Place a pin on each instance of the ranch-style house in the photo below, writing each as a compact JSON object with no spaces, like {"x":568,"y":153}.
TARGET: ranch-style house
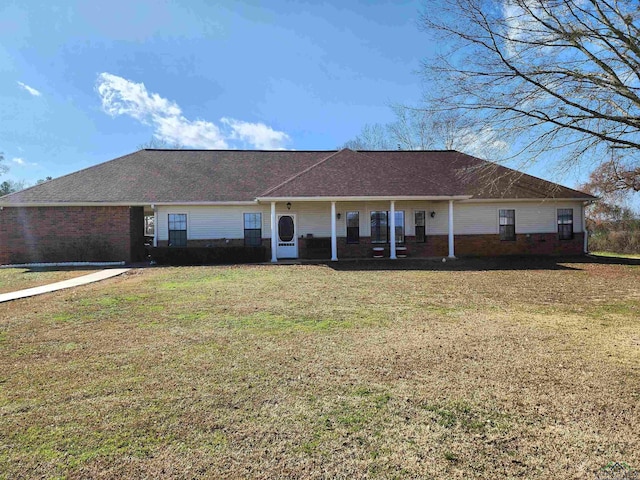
{"x":296,"y":204}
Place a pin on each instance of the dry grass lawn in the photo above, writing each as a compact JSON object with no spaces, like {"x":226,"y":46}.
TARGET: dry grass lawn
{"x":307,"y":371}
{"x":12,"y":279}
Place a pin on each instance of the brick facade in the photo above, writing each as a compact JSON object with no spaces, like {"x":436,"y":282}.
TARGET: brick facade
{"x":465,"y":245}
{"x":319,"y":248}
{"x":67,"y":234}
{"x":525,"y":244}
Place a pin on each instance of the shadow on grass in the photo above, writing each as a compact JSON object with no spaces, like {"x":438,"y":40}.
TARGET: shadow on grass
{"x":28,"y":270}
{"x":480,"y":264}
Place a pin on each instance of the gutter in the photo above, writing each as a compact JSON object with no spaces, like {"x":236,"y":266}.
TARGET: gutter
{"x":364,"y":198}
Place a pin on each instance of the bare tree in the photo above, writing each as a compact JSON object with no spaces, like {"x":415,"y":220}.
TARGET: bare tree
{"x":372,"y":137}
{"x":414,"y":128}
{"x":553,"y":77}
{"x":155,"y":143}
{"x":3,"y":168}
{"x":424,"y":127}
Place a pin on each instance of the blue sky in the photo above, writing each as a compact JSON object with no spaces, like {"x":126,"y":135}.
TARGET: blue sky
{"x":84,"y":82}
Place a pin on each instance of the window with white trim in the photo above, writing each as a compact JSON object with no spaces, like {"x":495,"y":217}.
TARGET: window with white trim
{"x":420,"y":223}
{"x":253,"y":229}
{"x":353,"y":227}
{"x":507,"y":225}
{"x":400,"y":226}
{"x":379,"y":227}
{"x":565,"y":223}
{"x":177,"y":229}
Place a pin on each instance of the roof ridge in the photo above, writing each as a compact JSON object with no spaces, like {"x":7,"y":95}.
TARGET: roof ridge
{"x":230,"y":150}
{"x":290,"y":179}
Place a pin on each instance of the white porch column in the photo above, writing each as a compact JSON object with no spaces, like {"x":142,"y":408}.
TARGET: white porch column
{"x":274,"y":234}
{"x":334,"y":235}
{"x":392,"y":228}
{"x":451,"y":250}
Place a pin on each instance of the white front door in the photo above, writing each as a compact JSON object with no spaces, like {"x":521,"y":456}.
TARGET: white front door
{"x":287,"y":236}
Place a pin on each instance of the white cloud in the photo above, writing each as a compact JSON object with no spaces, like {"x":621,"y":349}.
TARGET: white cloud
{"x":123,"y":97}
{"x":22,"y":162}
{"x":483,"y":143}
{"x":257,"y":134}
{"x":29,"y":89}
{"x":523,"y":24}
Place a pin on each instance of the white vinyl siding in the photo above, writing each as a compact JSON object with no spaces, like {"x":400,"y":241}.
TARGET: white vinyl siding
{"x":216,"y":222}
{"x":531,"y":217}
{"x":212,"y":222}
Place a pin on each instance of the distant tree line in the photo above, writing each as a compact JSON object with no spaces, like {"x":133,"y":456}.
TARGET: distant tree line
{"x":613,"y":226}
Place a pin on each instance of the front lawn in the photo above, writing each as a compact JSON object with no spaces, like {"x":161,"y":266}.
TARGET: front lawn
{"x":471,"y":370}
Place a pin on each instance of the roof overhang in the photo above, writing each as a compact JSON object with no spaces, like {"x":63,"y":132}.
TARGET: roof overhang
{"x":363,"y":198}
{"x":121,"y":204}
{"x":516,"y":200}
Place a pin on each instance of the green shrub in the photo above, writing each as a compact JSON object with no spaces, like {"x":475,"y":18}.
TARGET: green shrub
{"x":207,"y":255}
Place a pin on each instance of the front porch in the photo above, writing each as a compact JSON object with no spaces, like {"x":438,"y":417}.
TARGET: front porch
{"x":303,"y":229}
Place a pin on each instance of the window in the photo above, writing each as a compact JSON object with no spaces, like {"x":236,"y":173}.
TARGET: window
{"x":252,"y":229}
{"x":353,"y":227}
{"x":565,"y":223}
{"x":420,"y":226}
{"x":379,"y":227}
{"x":177,"y":229}
{"x":399,"y":226}
{"x":149,"y":227}
{"x":507,"y":225}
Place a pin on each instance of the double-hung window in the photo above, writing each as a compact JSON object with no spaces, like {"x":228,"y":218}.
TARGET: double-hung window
{"x":565,"y":223}
{"x":353,"y":227}
{"x":420,"y":221}
{"x":252,"y":229}
{"x":399,"y":226}
{"x":507,"y":225}
{"x":177,"y":229}
{"x":379,"y":227}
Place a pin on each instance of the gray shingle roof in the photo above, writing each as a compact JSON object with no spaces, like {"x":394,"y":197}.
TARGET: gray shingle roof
{"x":191,"y":176}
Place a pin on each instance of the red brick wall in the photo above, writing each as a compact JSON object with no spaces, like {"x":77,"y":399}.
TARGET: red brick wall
{"x":65,"y":234}
{"x":136,"y":233}
{"x":525,"y":244}
{"x":466,"y":245}
{"x":434,"y":246}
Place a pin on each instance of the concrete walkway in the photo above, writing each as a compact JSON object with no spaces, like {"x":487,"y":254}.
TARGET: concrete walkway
{"x":73,"y":282}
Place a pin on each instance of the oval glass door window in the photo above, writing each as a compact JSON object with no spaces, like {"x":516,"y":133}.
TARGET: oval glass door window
{"x":285,"y":228}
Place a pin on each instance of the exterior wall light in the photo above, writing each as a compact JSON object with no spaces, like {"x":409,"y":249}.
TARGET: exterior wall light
{"x":288,"y":205}
{"x":432,"y":214}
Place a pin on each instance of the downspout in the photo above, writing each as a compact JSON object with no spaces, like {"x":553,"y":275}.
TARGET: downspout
{"x":584,"y":229}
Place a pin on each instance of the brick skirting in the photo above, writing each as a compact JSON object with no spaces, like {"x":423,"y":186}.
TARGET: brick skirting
{"x":319,"y":248}
{"x":468,"y":245}
{"x":524,"y":244}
